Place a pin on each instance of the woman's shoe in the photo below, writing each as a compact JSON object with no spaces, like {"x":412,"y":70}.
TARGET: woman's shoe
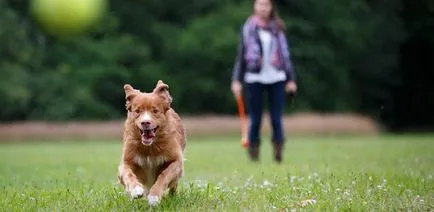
{"x":277,"y":150}
{"x":253,"y":152}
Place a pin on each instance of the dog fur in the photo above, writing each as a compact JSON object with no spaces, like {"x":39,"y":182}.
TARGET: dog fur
{"x":152,"y":159}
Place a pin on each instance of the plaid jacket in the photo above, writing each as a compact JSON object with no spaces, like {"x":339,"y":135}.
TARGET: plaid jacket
{"x":242,"y":66}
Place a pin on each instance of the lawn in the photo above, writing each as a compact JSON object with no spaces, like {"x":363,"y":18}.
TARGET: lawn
{"x":384,"y":173}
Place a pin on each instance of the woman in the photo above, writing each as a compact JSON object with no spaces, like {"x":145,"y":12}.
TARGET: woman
{"x":263,"y":64}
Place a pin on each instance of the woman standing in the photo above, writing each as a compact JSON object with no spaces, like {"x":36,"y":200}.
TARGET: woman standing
{"x":263,"y":64}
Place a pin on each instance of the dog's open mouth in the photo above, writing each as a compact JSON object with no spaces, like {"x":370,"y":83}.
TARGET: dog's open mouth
{"x":148,"y":135}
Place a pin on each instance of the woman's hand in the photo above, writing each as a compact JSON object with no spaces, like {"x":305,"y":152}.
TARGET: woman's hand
{"x":236,"y":88}
{"x":291,"y":87}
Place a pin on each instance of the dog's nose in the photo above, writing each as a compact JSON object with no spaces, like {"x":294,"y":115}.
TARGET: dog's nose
{"x":146,"y":123}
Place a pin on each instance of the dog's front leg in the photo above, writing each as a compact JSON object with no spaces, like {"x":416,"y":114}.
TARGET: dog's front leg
{"x":168,"y":175}
{"x":129,"y":180}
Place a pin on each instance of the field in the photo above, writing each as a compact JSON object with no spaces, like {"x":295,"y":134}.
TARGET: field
{"x":326,"y":173}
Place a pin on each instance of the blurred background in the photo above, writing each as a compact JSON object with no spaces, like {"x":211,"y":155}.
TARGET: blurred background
{"x":374,"y":59}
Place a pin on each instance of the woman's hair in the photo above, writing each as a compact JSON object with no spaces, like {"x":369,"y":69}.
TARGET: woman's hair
{"x":279,"y":20}
{"x":275,"y":16}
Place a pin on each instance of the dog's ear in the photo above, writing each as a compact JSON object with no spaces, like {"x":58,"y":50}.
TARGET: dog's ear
{"x":162,"y":90}
{"x":130,"y":93}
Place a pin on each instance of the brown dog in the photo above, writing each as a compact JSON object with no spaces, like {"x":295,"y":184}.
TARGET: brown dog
{"x":153,"y":144}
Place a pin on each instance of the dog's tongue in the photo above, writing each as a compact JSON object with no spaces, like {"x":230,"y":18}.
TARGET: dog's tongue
{"x":148,"y":134}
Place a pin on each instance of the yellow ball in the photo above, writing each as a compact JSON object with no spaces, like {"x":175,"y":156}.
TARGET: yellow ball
{"x":66,"y":18}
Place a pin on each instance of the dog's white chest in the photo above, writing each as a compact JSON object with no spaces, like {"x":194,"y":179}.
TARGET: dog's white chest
{"x":150,"y":165}
{"x":149,"y":161}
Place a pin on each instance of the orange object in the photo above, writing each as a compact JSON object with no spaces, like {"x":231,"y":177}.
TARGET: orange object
{"x":243,"y":120}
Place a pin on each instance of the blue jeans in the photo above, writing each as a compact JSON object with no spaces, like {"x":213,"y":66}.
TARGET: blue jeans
{"x":276,"y":99}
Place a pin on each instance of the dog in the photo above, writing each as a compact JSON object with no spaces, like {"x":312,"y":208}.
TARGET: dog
{"x":152,"y":160}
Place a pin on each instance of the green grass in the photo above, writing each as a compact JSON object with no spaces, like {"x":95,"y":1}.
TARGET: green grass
{"x":384,"y":173}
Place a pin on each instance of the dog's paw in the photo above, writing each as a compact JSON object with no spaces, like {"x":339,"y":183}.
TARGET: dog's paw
{"x":153,"y":200}
{"x":137,"y":192}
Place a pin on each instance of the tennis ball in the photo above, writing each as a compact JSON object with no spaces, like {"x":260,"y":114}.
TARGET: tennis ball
{"x":66,"y":18}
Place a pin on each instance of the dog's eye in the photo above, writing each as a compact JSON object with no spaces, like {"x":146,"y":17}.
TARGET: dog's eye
{"x":137,"y":112}
{"x":155,"y":111}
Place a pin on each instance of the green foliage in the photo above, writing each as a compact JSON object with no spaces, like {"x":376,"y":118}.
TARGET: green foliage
{"x":344,"y":52}
{"x":18,"y":55}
